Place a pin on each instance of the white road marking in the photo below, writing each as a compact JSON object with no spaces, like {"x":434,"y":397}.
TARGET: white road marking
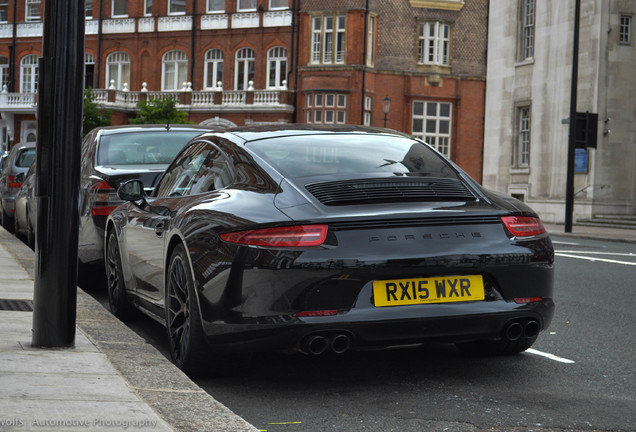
{"x":598,"y":253}
{"x":595,"y":259}
{"x":565,"y":243}
{"x":550,"y":356}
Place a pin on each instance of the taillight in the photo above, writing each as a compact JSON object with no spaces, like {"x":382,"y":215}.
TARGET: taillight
{"x":11,"y":183}
{"x":523,"y":226}
{"x":104,"y":198}
{"x":524,"y":300}
{"x":291,"y":236}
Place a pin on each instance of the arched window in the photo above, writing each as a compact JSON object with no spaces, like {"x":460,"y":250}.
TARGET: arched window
{"x":244,"y":68}
{"x":4,"y":71}
{"x":174,"y":70}
{"x":213,"y":68}
{"x":89,"y":70}
{"x":118,"y":69}
{"x":29,"y":74}
{"x":276,"y":67}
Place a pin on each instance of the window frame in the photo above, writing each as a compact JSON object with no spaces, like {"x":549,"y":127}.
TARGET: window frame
{"x":328,"y":39}
{"x":30,"y":6}
{"x":523,"y":136}
{"x":123,"y":65}
{"x":121,"y":3}
{"x":326,"y":108}
{"x":437,"y":139}
{"x":244,"y":68}
{"x":147,"y":8}
{"x":439,"y":42}
{"x":216,"y":63}
{"x":527,"y":21}
{"x":279,"y":63}
{"x":29,"y":74}
{"x":209,"y":4}
{"x":244,"y":9}
{"x":625,"y":25}
{"x":4,"y":11}
{"x":172,"y":3}
{"x":270,"y":7}
{"x":4,"y":71}
{"x":180,"y":65}
{"x":371,"y":41}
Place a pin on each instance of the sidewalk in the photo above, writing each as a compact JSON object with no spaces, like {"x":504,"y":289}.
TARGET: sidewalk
{"x":599,"y":233}
{"x":111,"y":380}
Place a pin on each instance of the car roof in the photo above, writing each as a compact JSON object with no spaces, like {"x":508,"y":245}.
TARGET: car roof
{"x":252,"y":133}
{"x":110,"y":130}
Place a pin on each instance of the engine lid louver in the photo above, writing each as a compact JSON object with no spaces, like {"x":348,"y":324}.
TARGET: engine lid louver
{"x":361,"y":191}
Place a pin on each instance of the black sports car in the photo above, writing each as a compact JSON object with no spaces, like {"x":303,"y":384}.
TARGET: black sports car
{"x":326,"y":239}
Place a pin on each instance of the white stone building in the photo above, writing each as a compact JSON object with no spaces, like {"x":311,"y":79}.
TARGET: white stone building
{"x":528,"y":102}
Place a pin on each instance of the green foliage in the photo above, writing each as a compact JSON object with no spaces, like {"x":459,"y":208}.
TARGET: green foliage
{"x":93,"y":116}
{"x":159,"y":111}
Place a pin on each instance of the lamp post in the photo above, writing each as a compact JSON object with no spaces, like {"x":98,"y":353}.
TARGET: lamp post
{"x":386,"y":107}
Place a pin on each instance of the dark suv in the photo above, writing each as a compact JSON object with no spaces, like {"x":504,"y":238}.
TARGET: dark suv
{"x":14,"y":167}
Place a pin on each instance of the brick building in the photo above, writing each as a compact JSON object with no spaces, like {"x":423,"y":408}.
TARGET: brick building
{"x":236,"y":62}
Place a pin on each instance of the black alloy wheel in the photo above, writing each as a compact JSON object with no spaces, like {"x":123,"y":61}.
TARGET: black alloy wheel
{"x":116,"y":286}
{"x":188,"y":347}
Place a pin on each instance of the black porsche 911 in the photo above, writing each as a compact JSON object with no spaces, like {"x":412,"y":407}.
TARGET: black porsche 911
{"x":326,"y":239}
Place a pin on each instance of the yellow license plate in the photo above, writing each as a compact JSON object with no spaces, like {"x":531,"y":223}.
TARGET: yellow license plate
{"x":444,"y":289}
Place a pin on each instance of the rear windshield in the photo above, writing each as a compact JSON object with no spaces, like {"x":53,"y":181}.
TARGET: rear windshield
{"x":302,"y":156}
{"x":25,"y":158}
{"x":141,"y":148}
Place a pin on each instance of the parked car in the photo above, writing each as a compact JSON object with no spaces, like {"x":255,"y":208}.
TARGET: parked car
{"x":3,"y":156}
{"x":325,"y":240}
{"x":17,"y":162}
{"x":111,"y":155}
{"x":26,"y":208}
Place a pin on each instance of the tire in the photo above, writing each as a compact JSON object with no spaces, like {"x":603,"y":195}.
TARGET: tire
{"x":496,"y":347}
{"x":30,"y":235}
{"x":7,"y":222}
{"x":188,"y":348}
{"x":116,"y":286}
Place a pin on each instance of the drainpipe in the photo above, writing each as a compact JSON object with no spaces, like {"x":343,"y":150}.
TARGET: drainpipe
{"x":12,"y":65}
{"x":194,"y":27}
{"x":98,"y":60}
{"x":292,"y":57}
{"x":364,"y":60}
{"x":297,"y":21}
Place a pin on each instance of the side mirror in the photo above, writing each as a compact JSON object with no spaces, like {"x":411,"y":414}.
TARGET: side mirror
{"x":132,"y":190}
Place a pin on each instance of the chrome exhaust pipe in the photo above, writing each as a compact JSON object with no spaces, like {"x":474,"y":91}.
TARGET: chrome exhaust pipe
{"x":315,"y":344}
{"x":531,"y":329}
{"x":513,"y":331}
{"x":340,"y":343}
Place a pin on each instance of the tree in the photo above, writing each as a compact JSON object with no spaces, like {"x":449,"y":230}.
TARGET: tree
{"x":159,"y":111}
{"x":93,"y":116}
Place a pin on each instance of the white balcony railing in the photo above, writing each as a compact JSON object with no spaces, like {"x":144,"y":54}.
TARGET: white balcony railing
{"x":214,"y":22}
{"x":30,"y":29}
{"x":245,"y":20}
{"x":91,"y":27}
{"x":146,"y":25}
{"x":203,"y":98}
{"x":277,"y":19}
{"x":266,"y":97}
{"x":125,"y":25}
{"x":233,"y":97}
{"x":175,"y":23}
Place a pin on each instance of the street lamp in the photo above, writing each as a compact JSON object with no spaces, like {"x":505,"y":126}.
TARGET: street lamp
{"x":386,"y":106}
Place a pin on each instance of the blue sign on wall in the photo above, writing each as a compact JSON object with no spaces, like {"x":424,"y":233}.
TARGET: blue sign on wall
{"x":580,"y":161}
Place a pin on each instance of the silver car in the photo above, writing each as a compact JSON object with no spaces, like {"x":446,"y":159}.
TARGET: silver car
{"x":18,"y":162}
{"x":26,"y":208}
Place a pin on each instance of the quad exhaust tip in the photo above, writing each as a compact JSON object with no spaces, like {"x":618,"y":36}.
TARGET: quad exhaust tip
{"x":317,"y":344}
{"x":515,"y":330}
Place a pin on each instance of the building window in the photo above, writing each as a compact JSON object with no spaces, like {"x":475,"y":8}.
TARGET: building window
{"x":625,"y":30}
{"x":522,"y":154}
{"x":246,"y":5}
{"x":88,"y":9}
{"x":29,"y":74}
{"x":89,"y":70}
{"x":174,"y":70}
{"x":216,"y":6}
{"x":117,"y":70}
{"x":276,"y":67}
{"x":4,"y":11}
{"x":4,"y":72}
{"x":147,"y":7}
{"x":368,"y":110}
{"x":328,"y":39}
{"x":278,"y":4}
{"x":119,"y":8}
{"x":371,"y":41}
{"x":176,"y":7}
{"x":244,"y":68}
{"x":213,"y":68}
{"x":326,"y":108}
{"x":32,"y":10}
{"x":432,"y":123}
{"x":434,"y":43}
{"x":526,"y":47}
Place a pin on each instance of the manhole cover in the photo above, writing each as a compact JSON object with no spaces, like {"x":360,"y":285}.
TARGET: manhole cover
{"x":16,"y":305}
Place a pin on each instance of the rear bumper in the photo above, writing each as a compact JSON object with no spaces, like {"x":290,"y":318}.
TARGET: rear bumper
{"x":91,"y":242}
{"x":382,"y":326}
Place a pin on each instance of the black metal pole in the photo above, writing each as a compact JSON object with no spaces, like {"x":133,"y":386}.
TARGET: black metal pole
{"x":61,"y":70}
{"x":569,"y":183}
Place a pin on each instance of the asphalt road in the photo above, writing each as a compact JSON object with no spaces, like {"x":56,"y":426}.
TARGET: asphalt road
{"x":579,"y":376}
